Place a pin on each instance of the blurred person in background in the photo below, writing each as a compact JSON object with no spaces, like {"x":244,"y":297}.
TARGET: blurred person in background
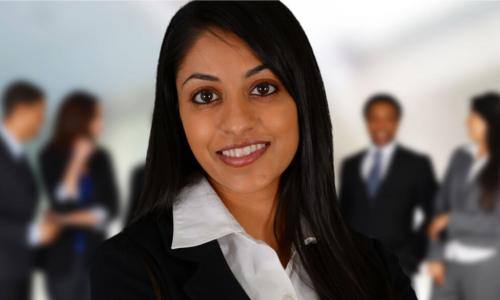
{"x":383,"y":186}
{"x":80,"y":181}
{"x":464,"y":255}
{"x":23,"y":116}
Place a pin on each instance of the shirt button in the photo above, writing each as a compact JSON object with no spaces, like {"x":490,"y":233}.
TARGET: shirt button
{"x":287,"y":297}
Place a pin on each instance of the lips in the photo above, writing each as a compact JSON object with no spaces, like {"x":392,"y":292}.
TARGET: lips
{"x":242,"y":154}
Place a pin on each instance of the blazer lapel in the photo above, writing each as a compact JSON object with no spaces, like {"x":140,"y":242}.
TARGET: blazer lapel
{"x":467,"y":185}
{"x":359,"y":178}
{"x":211,"y":278}
{"x":391,"y":170}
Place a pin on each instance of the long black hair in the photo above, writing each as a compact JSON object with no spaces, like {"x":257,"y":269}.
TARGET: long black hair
{"x":487,"y":105}
{"x":73,"y":119}
{"x":337,"y":267}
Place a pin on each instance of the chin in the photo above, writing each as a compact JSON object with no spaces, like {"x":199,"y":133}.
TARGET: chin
{"x":246,"y":182}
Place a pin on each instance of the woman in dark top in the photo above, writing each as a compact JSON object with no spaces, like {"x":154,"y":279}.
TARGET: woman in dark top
{"x":239,"y":199}
{"x":79,"y":179}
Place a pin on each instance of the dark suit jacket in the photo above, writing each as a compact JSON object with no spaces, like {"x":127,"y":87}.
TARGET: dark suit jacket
{"x":409,"y":183}
{"x":18,"y":200}
{"x":138,"y":263}
{"x":53,"y":162}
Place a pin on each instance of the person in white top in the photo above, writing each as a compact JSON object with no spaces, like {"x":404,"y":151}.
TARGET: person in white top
{"x":465,"y":232}
{"x":240,"y":102}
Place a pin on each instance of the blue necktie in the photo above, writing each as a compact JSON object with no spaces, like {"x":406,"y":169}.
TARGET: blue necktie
{"x":373,"y":181}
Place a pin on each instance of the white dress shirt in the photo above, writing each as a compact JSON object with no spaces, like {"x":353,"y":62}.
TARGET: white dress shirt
{"x":199,"y":216}
{"x":387,"y":152}
{"x":456,"y":250}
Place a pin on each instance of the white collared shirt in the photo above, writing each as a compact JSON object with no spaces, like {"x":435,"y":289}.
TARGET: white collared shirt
{"x":13,"y":144}
{"x":200,"y":216}
{"x":387,"y":152}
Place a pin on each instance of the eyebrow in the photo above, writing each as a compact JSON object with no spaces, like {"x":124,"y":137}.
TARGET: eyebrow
{"x":203,"y":76}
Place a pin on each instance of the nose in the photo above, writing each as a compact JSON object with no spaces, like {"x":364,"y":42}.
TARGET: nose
{"x":238,"y":116}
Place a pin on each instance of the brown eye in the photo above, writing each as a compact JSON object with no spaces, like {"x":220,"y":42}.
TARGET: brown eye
{"x":205,"y":97}
{"x":263,"y":89}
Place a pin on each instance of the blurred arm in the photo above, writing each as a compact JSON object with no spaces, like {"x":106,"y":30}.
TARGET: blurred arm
{"x":425,"y":193}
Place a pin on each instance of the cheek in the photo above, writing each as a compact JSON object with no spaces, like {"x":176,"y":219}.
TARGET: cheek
{"x":282,"y":123}
{"x":477,"y":129}
{"x":199,"y":130}
{"x":481,"y":130}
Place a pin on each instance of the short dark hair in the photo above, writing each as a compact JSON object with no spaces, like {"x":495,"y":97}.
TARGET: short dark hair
{"x":383,"y":98}
{"x":20,"y":92}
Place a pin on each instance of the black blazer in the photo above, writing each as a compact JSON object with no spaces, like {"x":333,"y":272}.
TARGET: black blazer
{"x":138,"y":263}
{"x":18,"y":200}
{"x":59,"y":255}
{"x":408,"y":184}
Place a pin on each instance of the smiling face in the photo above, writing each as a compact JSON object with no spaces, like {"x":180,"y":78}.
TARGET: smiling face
{"x":240,"y":122}
{"x":382,"y":121}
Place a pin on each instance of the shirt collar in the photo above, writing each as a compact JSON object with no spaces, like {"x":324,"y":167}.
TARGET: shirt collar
{"x":473,"y":150}
{"x":386,"y":149}
{"x":13,"y":144}
{"x":200,"y":216}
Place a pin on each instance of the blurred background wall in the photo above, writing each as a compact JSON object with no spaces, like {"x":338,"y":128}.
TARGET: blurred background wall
{"x":432,"y":55}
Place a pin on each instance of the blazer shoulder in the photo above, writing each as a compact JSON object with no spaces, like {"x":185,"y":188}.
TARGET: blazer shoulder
{"x":119,"y":270}
{"x":412,"y":154}
{"x":126,"y":265}
{"x":102,"y":153}
{"x":399,"y":282}
{"x":415,"y":158}
{"x":461,"y":153}
{"x":49,"y":152}
{"x":353,"y":158}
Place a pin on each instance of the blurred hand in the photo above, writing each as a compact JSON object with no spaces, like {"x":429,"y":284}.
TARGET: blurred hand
{"x":83,"y":149}
{"x":437,"y":271}
{"x":78,"y":218}
{"x":437,"y":225}
{"x":49,"y":228}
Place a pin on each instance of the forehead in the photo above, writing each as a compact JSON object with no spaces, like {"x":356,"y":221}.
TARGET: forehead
{"x":383,"y":106}
{"x":218,"y":52}
{"x":39,"y":102}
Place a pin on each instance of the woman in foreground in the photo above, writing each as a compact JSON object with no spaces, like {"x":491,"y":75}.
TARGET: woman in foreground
{"x":239,"y":199}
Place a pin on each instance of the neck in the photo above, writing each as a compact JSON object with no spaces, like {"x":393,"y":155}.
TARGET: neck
{"x":382,"y":145}
{"x":483,"y":149}
{"x":254,"y":211}
{"x":14,"y":129}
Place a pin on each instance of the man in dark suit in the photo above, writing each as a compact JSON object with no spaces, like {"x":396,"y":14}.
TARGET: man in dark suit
{"x":23,"y":110}
{"x":383,"y":186}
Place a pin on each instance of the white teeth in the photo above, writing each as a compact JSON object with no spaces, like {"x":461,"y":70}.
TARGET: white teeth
{"x":239,"y":152}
